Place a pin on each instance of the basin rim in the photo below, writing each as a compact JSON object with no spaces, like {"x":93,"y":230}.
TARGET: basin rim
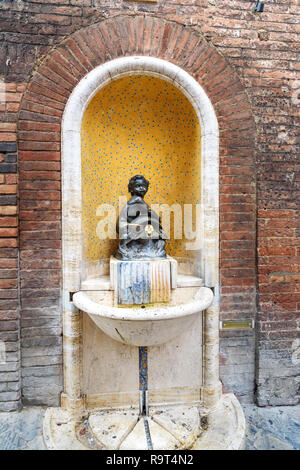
{"x":201,"y":301}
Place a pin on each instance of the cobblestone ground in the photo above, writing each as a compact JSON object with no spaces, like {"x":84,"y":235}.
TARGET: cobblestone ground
{"x":22,"y":430}
{"x":275,"y":428}
{"x":267,"y":428}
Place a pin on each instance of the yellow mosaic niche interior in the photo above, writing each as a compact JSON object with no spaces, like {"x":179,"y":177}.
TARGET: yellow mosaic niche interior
{"x":138,"y":124}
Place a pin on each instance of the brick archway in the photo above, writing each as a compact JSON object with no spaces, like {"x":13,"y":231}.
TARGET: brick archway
{"x":39,"y":149}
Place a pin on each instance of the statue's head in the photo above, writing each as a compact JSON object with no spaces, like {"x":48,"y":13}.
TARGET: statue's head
{"x":138,"y":185}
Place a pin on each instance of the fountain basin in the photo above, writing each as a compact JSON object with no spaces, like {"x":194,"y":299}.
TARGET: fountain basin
{"x":146,"y":325}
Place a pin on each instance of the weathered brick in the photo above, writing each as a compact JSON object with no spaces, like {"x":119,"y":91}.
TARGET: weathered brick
{"x":8,"y":232}
{"x":12,"y":107}
{"x":8,"y":147}
{"x":9,"y":314}
{"x":8,"y":168}
{"x":8,"y":242}
{"x":8,"y":283}
{"x":8,"y":406}
{"x":39,"y":156}
{"x":7,"y":137}
{"x":8,"y":189}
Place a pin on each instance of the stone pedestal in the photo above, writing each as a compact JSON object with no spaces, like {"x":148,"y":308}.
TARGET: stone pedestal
{"x":139,"y":282}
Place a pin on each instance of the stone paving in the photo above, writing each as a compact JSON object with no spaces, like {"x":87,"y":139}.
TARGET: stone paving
{"x":267,"y":428}
{"x":276,"y":428}
{"x":22,"y":430}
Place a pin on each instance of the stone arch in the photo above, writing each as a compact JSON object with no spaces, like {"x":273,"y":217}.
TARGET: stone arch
{"x":52,"y":83}
{"x":71,"y":159}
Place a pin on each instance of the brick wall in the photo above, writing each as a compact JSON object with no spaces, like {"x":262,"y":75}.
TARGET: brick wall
{"x":10,"y":389}
{"x":40,"y":256}
{"x":259,"y":272}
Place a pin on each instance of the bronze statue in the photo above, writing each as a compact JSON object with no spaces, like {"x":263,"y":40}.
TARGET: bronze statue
{"x":139,"y":228}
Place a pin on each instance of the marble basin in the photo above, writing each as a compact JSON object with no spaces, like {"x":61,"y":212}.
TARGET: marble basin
{"x":145,"y":325}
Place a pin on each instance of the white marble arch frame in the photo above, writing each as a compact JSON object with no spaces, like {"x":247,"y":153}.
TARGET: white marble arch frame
{"x":71,"y":160}
{"x":82,"y":94}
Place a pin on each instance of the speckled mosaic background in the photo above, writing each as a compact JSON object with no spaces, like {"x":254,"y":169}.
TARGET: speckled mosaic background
{"x":143,"y":368}
{"x":138,"y":125}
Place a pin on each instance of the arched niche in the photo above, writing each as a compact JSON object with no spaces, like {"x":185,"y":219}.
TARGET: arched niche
{"x":78,"y":102}
{"x":87,"y":88}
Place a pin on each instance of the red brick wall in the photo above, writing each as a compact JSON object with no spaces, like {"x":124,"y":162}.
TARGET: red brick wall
{"x":259,"y":55}
{"x":10,"y":392}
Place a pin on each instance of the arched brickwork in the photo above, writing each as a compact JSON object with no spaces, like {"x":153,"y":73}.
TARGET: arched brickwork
{"x":39,"y":153}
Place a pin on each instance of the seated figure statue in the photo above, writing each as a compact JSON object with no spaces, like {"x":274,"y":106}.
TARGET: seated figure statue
{"x":139,"y":228}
